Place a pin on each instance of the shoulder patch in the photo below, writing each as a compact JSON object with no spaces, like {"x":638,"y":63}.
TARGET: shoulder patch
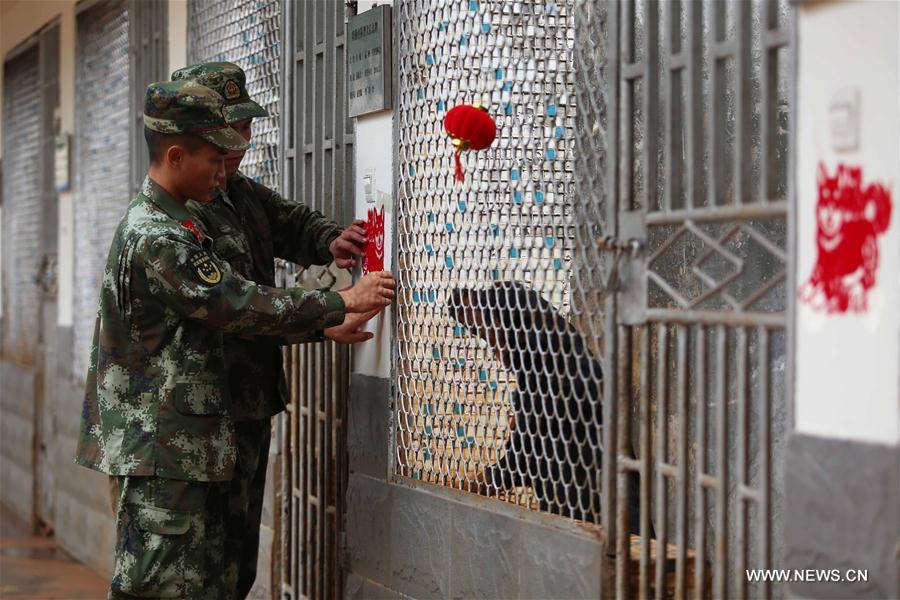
{"x":206,"y":268}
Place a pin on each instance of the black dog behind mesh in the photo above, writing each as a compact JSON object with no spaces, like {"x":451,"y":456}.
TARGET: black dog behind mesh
{"x":554,"y":445}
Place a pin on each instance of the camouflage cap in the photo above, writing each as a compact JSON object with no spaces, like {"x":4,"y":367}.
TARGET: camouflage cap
{"x":186,"y":107}
{"x":229,"y":80}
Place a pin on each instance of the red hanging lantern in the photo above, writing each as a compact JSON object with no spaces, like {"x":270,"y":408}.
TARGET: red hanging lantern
{"x":471,"y":128}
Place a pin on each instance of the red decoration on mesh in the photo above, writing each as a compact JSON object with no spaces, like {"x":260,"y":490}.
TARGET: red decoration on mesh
{"x":471,"y":128}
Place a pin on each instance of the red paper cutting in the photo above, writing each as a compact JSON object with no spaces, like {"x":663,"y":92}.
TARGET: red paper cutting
{"x":374,"y":258}
{"x":849,"y":219}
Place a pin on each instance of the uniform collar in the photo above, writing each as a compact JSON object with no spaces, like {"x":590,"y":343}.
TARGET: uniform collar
{"x":164,"y":200}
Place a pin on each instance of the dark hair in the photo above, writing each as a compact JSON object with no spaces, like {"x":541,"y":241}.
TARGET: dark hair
{"x":158,"y":143}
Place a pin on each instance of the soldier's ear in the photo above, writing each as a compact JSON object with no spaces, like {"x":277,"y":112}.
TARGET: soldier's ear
{"x":174,"y":156}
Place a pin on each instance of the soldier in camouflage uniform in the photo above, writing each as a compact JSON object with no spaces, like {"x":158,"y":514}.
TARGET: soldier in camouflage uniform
{"x":252,"y":225}
{"x":156,"y":411}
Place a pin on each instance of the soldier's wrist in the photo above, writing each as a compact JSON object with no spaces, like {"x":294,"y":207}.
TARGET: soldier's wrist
{"x":349,"y":299}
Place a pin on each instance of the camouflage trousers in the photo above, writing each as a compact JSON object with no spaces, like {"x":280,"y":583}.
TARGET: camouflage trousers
{"x":192,"y":539}
{"x":170,"y":538}
{"x":245,"y":502}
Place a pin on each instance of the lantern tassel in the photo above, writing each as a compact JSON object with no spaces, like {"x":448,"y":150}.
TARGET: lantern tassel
{"x":460,"y":176}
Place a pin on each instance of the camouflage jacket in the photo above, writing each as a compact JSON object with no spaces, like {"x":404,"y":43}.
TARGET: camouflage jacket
{"x":251,"y":225}
{"x":156,"y":400}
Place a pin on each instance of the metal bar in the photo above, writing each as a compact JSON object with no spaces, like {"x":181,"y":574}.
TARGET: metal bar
{"x":743,"y":104}
{"x":708,"y":481}
{"x":650,"y":101}
{"x":626,"y":143}
{"x":667,"y":469}
{"x":619,"y":438}
{"x":700,"y":491}
{"x":665,"y":203}
{"x":777,"y":38}
{"x":633,"y":71}
{"x":682,"y":479}
{"x":743,"y":433}
{"x":711,"y":317}
{"x":309,"y":458}
{"x":716,"y":27}
{"x":298,"y":522}
{"x":328,"y":125}
{"x":629,"y":464}
{"x":321,"y":451}
{"x":721,"y":581}
{"x":662,"y":488}
{"x":763,"y":289}
{"x":717,"y":213}
{"x":747,"y":492}
{"x":646,"y":466}
{"x":610,"y":313}
{"x":765,"y":449}
{"x":766,"y":133}
{"x":765,"y":242}
{"x":327,"y":467}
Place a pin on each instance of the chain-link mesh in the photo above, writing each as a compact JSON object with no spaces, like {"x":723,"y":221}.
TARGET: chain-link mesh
{"x":247,"y":33}
{"x":497,"y":391}
{"x":22,"y":206}
{"x":102,"y":134}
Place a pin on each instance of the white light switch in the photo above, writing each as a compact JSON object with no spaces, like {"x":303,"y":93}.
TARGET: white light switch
{"x":843,"y":119}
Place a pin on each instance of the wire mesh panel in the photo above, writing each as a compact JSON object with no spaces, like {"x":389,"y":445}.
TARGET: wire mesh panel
{"x":247,"y":33}
{"x":700,"y":107}
{"x":22,"y":206}
{"x":498,"y":389}
{"x":102,"y":146}
{"x":318,"y":151}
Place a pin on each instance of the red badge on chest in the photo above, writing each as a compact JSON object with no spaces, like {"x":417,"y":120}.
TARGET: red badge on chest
{"x":189,"y":225}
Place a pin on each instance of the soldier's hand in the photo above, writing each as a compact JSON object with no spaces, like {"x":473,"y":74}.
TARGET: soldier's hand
{"x":348,"y":332}
{"x":374,"y":291}
{"x":350,"y":244}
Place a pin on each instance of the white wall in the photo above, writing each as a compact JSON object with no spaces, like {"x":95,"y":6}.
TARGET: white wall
{"x":373,"y":159}
{"x":847,"y":364}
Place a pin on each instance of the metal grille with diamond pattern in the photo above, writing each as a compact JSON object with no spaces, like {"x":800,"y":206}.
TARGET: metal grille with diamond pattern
{"x":245,"y":32}
{"x":681,"y":153}
{"x":102,"y":131}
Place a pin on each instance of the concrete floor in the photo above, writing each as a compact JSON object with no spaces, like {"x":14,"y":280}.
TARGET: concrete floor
{"x":36,"y":567}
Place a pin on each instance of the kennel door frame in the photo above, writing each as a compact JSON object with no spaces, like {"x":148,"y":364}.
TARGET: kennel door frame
{"x":627,"y":312}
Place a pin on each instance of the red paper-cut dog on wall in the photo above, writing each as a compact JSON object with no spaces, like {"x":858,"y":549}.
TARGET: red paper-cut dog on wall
{"x":374,"y":259}
{"x":849,"y":220}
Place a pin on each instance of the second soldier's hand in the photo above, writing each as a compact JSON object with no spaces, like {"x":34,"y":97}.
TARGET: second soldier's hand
{"x":349,"y":331}
{"x":374,"y":291}
{"x":349,"y":244}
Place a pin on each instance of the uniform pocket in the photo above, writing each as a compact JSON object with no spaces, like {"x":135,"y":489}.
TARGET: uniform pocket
{"x":158,"y":553}
{"x":193,"y":397}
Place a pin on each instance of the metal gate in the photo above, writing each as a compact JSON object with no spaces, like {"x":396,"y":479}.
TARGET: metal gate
{"x":686,"y":110}
{"x":102,"y":147}
{"x":317,"y":138}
